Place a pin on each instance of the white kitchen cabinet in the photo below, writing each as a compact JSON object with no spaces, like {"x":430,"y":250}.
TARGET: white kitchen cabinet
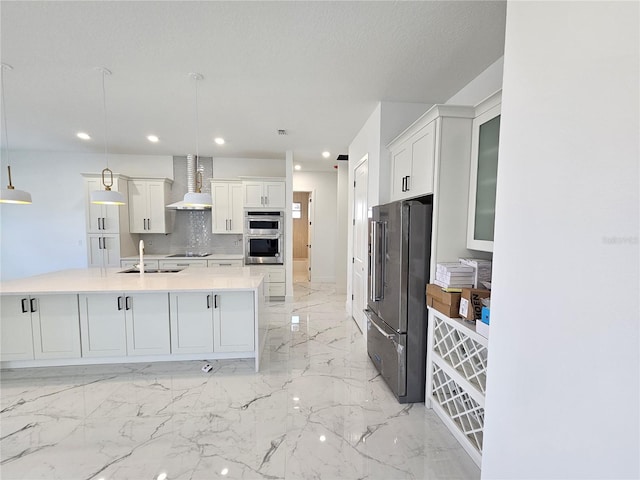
{"x":108,"y":236}
{"x":483,"y":174}
{"x":148,"y":264}
{"x":104,"y":250}
{"x":206,"y":322}
{"x":40,"y":327}
{"x":16,"y":334}
{"x":233,"y":322}
{"x":147,"y":322}
{"x":147,"y":206}
{"x":412,"y":163}
{"x":182,"y":263}
{"x":225,"y":263}
{"x":227,"y":207}
{"x":264,"y":194}
{"x":191,"y":322}
{"x":124,"y":324}
{"x":274,"y":279}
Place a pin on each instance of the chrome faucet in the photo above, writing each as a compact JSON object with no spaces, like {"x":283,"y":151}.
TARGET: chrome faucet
{"x":141,"y":249}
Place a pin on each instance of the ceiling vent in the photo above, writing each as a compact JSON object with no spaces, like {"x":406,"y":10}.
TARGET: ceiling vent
{"x":343,"y":157}
{"x":282,"y":132}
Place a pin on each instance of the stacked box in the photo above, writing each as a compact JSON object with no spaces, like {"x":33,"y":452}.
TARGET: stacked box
{"x":471,"y":303}
{"x":454,"y":275}
{"x":482,"y":270}
{"x":445,"y":302}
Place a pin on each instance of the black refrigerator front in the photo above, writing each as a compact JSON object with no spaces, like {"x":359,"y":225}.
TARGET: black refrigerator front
{"x":399,"y":256}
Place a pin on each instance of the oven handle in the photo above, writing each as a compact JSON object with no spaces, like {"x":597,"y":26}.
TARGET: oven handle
{"x":266,"y":237}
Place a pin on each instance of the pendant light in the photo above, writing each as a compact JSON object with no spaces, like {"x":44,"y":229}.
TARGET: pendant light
{"x":197,"y":198}
{"x":106,"y":196}
{"x":10,"y":194}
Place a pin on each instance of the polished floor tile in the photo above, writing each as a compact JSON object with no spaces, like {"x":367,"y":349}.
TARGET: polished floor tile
{"x":316,"y":410}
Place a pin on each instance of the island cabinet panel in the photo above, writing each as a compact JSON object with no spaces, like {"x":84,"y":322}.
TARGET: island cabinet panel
{"x":39,"y":327}
{"x":56,"y":326}
{"x":102,"y":325}
{"x":147,"y":322}
{"x":191,"y":322}
{"x":233,"y":322}
{"x":15,"y":328}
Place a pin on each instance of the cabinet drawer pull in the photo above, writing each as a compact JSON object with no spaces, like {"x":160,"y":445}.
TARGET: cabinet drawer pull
{"x":127,"y":303}
{"x":119,"y":303}
{"x":34,"y":304}
{"x":25,"y":309}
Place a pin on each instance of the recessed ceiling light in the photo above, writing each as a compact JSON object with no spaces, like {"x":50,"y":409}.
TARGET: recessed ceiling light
{"x":152,"y":138}
{"x":83,"y":136}
{"x":326,"y":154}
{"x":298,"y":167}
{"x":219,"y":140}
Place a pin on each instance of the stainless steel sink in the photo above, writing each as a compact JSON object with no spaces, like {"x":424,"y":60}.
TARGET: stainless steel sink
{"x":153,"y":270}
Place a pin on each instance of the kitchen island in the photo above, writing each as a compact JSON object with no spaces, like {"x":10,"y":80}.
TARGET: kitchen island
{"x":85,"y":316}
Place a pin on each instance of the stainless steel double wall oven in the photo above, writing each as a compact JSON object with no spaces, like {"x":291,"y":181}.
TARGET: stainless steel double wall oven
{"x":264,"y":237}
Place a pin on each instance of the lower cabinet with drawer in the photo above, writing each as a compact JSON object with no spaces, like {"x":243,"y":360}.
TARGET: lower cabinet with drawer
{"x":225,"y":263}
{"x":181,"y":263}
{"x":274,"y":279}
{"x":148,"y":264}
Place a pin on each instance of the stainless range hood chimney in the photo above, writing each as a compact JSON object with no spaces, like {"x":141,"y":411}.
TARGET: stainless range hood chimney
{"x":191,"y":187}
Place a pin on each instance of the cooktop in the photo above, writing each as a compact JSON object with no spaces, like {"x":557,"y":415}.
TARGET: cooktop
{"x":189,"y":254}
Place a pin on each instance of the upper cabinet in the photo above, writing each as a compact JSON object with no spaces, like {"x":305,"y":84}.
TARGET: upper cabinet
{"x":227,"y":206}
{"x":483,"y":174}
{"x":103,"y":218}
{"x":147,"y":200}
{"x":264,"y":194}
{"x":412,"y":163}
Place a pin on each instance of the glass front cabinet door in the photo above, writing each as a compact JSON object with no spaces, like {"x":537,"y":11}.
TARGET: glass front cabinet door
{"x":483,"y":175}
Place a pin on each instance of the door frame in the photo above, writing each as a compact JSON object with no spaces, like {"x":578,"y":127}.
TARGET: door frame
{"x":310,"y":229}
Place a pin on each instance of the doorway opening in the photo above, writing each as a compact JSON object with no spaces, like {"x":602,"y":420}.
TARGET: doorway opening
{"x":302,"y":225}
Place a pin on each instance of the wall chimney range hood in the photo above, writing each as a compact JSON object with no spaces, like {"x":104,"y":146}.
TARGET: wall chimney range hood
{"x":192,"y":188}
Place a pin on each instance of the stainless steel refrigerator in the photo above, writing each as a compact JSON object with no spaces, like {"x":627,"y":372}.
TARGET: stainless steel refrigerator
{"x":399,"y":257}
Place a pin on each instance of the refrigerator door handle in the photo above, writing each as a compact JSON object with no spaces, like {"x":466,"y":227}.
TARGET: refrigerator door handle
{"x":377,"y":263}
{"x":383,"y":333}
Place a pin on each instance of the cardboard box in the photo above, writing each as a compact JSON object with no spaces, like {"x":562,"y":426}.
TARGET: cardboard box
{"x":444,"y":302}
{"x":471,"y":303}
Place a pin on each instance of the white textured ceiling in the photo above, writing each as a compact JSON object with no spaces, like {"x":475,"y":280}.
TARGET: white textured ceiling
{"x":316,"y":69}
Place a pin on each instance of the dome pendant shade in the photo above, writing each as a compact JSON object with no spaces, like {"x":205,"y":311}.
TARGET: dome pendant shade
{"x":11,"y":195}
{"x":107,"y":196}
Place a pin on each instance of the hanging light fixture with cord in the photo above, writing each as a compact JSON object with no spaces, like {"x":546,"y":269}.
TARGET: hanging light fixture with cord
{"x":106,"y":196}
{"x":10,"y":194}
{"x":197,"y":198}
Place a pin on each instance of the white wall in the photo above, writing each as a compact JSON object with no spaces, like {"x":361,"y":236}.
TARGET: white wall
{"x":255,"y":167}
{"x":50,"y":234}
{"x":324,"y":229}
{"x":563,"y":381}
{"x":342,"y":220}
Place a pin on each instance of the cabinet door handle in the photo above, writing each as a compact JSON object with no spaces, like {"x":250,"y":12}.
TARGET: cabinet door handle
{"x":127,"y":303}
{"x":34,"y":304}
{"x":25,"y":309}
{"x":408,"y":182}
{"x":208,"y":301}
{"x":215,"y":301}
{"x":404,"y":182}
{"x":100,"y":243}
{"x":230,"y":227}
{"x":148,"y":224}
{"x":119,"y":303}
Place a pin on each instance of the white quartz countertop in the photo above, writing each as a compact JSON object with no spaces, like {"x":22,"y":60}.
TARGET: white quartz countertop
{"x":168,"y":256}
{"x":95,"y":280}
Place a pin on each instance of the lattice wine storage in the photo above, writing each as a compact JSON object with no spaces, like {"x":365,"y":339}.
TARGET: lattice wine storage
{"x":461,"y":408}
{"x":462,"y":352}
{"x":457,"y":366}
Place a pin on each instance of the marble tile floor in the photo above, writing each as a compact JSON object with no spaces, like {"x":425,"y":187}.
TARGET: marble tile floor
{"x":316,"y":410}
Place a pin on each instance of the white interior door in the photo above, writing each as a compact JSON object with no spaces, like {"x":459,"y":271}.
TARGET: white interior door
{"x":360,"y":231}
